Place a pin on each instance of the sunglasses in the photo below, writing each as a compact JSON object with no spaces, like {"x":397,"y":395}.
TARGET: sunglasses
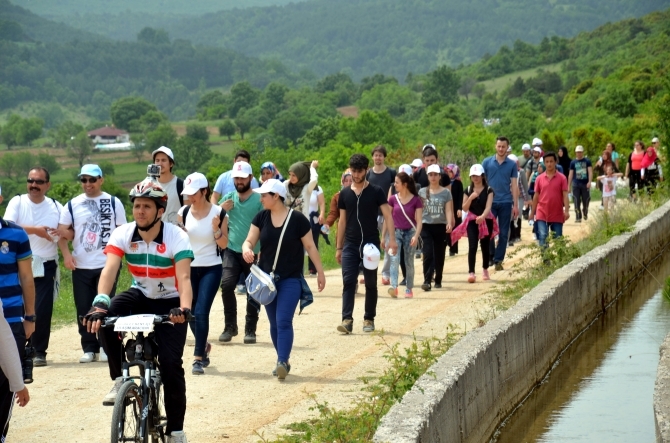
{"x":38,"y":182}
{"x":88,"y":180}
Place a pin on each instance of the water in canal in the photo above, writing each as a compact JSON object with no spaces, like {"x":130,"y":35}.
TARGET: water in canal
{"x":602,"y":387}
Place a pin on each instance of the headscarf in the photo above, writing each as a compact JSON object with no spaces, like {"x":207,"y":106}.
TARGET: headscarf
{"x":346,"y":173}
{"x":565,"y":160}
{"x":275,"y":172}
{"x":301,"y":170}
{"x":649,"y":157}
{"x":456,"y":170}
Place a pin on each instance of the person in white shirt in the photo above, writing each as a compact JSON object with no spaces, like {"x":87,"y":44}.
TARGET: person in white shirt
{"x":317,"y":216}
{"x":226,"y":182}
{"x":172,"y":184}
{"x":88,"y":220}
{"x":39,"y":215}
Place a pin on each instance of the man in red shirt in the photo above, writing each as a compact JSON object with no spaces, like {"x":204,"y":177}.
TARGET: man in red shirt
{"x":550,"y":202}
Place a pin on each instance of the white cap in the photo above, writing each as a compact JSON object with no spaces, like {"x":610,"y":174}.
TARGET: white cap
{"x":193,"y":183}
{"x":165,"y":150}
{"x":271,"y":185}
{"x":417,"y":163}
{"x":407,"y":169}
{"x":513,"y":157}
{"x":476,"y":169}
{"x":241,"y":170}
{"x":433,"y":168}
{"x":579,"y":148}
{"x":537,"y":149}
{"x":370,"y":256}
{"x":654,"y":140}
{"x":537,"y":142}
{"x":525,"y":147}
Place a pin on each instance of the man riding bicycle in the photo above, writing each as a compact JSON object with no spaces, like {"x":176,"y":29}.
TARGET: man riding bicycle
{"x":159,"y":257}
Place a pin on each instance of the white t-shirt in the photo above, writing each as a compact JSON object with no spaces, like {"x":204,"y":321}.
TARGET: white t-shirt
{"x":314,"y":200}
{"x":173,"y":204}
{"x":94,"y":222}
{"x":609,"y":186}
{"x":22,"y":211}
{"x":202,"y":237}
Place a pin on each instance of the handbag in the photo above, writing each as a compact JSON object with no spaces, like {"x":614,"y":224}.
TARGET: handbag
{"x":419,"y":240}
{"x":261,"y":285}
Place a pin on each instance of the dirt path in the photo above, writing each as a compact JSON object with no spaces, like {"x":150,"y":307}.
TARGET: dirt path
{"x":238,"y":396}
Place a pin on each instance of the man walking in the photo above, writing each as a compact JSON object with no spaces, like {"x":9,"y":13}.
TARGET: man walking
{"x":241,"y":206}
{"x":38,"y":215}
{"x":525,"y":149}
{"x":531,"y":163}
{"x":430,"y":157}
{"x":88,"y":220}
{"x":359,"y":205}
{"x":501,"y":174}
{"x":170,"y":183}
{"x":581,"y":174}
{"x":226,"y":182}
{"x":551,"y":207}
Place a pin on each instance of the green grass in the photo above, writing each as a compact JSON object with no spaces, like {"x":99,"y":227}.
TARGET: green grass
{"x":500,"y":83}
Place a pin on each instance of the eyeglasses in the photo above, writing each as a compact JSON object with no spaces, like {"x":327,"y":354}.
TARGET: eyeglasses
{"x":88,"y":180}
{"x":38,"y":182}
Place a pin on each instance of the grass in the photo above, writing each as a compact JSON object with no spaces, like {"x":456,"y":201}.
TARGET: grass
{"x":500,"y":83}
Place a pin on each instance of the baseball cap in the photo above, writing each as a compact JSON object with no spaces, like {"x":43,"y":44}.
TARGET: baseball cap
{"x":579,"y":148}
{"x":537,"y":142}
{"x":537,"y":149}
{"x":193,"y":183}
{"x":417,"y":163}
{"x":407,"y":169}
{"x":476,"y":169}
{"x":513,"y":157}
{"x":92,"y":170}
{"x":241,"y":170}
{"x":165,"y":150}
{"x":271,"y":185}
{"x":428,"y":145}
{"x":525,"y":147}
{"x":654,"y":140}
{"x":370,"y":256}
{"x":433,"y":168}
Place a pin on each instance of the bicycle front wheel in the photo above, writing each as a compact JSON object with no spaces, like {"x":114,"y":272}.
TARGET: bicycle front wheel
{"x":158,"y":416}
{"x":126,"y":414}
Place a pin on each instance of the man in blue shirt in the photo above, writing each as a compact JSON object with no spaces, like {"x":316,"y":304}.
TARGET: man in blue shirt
{"x":501,"y":174}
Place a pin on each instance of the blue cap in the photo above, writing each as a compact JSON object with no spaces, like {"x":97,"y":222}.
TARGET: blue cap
{"x":92,"y":170}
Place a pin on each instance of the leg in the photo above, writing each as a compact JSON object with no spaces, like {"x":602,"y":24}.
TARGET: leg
{"x":196,"y":275}
{"x":85,"y":288}
{"x":428,"y":253}
{"x":542,"y":232}
{"x":577,"y":198}
{"x":350,"y":262}
{"x":231,"y":275}
{"x":386,"y":269}
{"x":586,"y":200}
{"x":453,"y":248}
{"x":409,"y":251}
{"x":504,"y":216}
{"x":251,"y":317}
{"x":288,"y":295}
{"x":557,"y":229}
{"x":6,"y":405}
{"x":486,"y":256}
{"x":44,"y":306}
{"x":401,"y":256}
{"x":207,"y":288}
{"x":439,"y":236}
{"x":473,"y":240}
{"x":395,"y":259}
{"x":371,"y":293}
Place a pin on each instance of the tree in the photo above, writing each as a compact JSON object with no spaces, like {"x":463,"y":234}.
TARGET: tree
{"x":153,"y":36}
{"x":192,"y":153}
{"x":242,"y":95}
{"x":466,"y":87}
{"x":163,"y":135}
{"x":151,"y":120}
{"x":21,"y":131}
{"x":128,"y":109}
{"x":62,"y":135}
{"x":80,"y":148}
{"x":244,"y":123}
{"x":441,"y":85}
{"x":227,"y":129}
{"x":479,"y":90}
{"x":196,"y":131}
{"x":107,"y":168}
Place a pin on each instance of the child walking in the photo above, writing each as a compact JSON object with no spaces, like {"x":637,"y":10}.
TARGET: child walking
{"x":609,"y":187}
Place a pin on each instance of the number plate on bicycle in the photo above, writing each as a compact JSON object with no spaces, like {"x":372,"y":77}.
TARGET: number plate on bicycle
{"x":142,"y":322}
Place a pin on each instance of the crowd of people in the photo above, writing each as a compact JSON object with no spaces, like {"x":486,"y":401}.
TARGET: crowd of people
{"x":187,"y":240}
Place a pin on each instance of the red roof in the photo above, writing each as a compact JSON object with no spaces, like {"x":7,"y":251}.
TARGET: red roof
{"x":107,"y":131}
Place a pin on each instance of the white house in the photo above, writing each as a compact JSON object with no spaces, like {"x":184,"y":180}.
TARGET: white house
{"x":107,"y":135}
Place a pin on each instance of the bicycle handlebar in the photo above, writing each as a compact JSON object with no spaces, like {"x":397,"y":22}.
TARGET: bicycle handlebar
{"x":158,"y":319}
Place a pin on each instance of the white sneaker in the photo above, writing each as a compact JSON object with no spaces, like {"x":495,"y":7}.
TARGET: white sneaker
{"x":88,"y":357}
{"x":241,"y":289}
{"x":177,"y":437}
{"x":103,"y":355}
{"x":110,"y":398}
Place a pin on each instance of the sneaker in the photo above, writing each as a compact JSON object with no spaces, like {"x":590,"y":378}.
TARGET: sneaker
{"x":485,"y":275}
{"x":510,"y":244}
{"x":110,"y":398}
{"x":409,"y":293}
{"x":393,"y":292}
{"x":472,"y":277}
{"x":499,"y":267}
{"x":347,"y":326}
{"x":368,"y":325}
{"x":177,"y":437}
{"x":249,"y":337}
{"x":402,"y":283}
{"x":451,"y":254}
{"x":241,"y":289}
{"x":205,"y":359}
{"x":228,"y":333}
{"x":601,"y":207}
{"x":418,"y":256}
{"x":438,"y":285}
{"x":103,"y":355}
{"x":40,"y":360}
{"x":386,"y":281}
{"x":288,"y":369}
{"x":88,"y":357}
{"x":425,"y":286}
{"x":579,"y":220}
{"x":198,"y":368}
{"x":282,"y":370}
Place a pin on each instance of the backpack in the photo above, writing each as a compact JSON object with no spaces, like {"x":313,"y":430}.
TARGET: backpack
{"x":180,"y":187}
{"x":222,"y":214}
{"x":69,"y":208}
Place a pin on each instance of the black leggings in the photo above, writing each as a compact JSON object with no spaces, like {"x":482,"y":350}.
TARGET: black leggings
{"x":634,"y":178}
{"x":473,"y":239}
{"x":434,"y":246}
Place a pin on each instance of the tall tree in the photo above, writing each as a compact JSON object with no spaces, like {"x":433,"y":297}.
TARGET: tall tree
{"x":128,"y":110}
{"x":441,"y":86}
{"x":80,"y":148}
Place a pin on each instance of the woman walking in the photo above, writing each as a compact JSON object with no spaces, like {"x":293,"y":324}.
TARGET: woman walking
{"x":267,"y":227}
{"x":634,"y":169}
{"x":317,"y":217}
{"x":564,"y":160}
{"x":268,"y":171}
{"x":438,"y":221}
{"x":299,"y":186}
{"x":454,"y":173}
{"x":407,"y":211}
{"x":207,"y":228}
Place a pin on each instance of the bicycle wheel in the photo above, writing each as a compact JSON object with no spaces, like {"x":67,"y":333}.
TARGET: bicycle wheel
{"x":158,"y":417}
{"x":126,"y":414}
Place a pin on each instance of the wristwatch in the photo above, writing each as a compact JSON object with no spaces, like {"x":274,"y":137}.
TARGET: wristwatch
{"x":30,"y":318}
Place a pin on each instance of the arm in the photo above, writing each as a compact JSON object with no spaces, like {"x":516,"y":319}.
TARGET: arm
{"x":28,"y":288}
{"x":566,"y":205}
{"x":487,"y":210}
{"x":250,"y":243}
{"x":418,"y":216}
{"x":449,"y":212}
{"x":214,"y":198}
{"x":183,"y":271}
{"x":68,"y":260}
{"x":313,"y":176}
{"x":470,"y":199}
{"x":334,"y":212}
{"x":572,"y":173}
{"x":105,"y":285}
{"x":515,"y":198}
{"x":341,"y":227}
{"x":313,"y":253}
{"x":390,"y":227}
{"x":590,"y":171}
{"x":627,"y":169}
{"x":533,"y":208}
{"x":220,"y":234}
{"x":321,"y":199}
{"x":10,"y":362}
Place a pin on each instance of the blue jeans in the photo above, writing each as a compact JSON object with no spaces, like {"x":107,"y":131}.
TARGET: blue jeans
{"x":543,"y":231}
{"x":403,"y":237}
{"x":352,"y":259}
{"x":280,"y":314}
{"x":503,"y":212}
{"x":205,"y":283}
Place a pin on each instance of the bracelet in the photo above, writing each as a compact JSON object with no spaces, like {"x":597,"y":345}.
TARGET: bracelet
{"x":218,"y":234}
{"x":339,"y":249}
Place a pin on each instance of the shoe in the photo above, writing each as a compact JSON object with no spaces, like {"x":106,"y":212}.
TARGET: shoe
{"x":402,"y":283}
{"x":499,"y":267}
{"x":361,"y":281}
{"x":312,"y":274}
{"x":409,"y":293}
{"x":205,"y":359}
{"x":510,"y":244}
{"x":368,"y":326}
{"x":438,"y":285}
{"x":393,"y":292}
{"x":601,"y":207}
{"x":386,"y":281}
{"x":425,"y":286}
{"x":249,"y":337}
{"x":177,"y":437}
{"x":282,"y":370}
{"x":88,"y":357}
{"x":288,"y":369}
{"x":198,"y":368}
{"x":418,"y":256}
{"x":586,"y":217}
{"x":103,"y":355}
{"x":228,"y":333}
{"x":110,"y":398}
{"x":241,"y":289}
{"x":579,"y":220}
{"x":40,"y":360}
{"x":472,"y":277}
{"x":347,"y":326}
{"x":485,"y":275}
{"x":451,"y":254}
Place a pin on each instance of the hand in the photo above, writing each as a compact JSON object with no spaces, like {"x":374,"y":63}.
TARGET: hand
{"x":315,"y":164}
{"x":43,"y":232}
{"x":70,"y":263}
{"x":515,"y":212}
{"x":215,"y":223}
{"x":320,"y":219}
{"x":228,"y":205}
{"x":412,"y":241}
{"x":566,"y":214}
{"x":588,"y":185}
{"x":64,"y":233}
{"x":180,"y":315}
{"x":479,"y":220}
{"x":321,"y":280}
{"x":22,"y":397}
{"x":29,"y":327}
{"x":449,"y":228}
{"x":459,"y":213}
{"x":527,"y":203}
{"x":181,"y":226}
{"x":248,"y":256}
{"x":338,"y":256}
{"x":474,"y":195}
{"x":393,"y":245}
{"x":93,"y":319}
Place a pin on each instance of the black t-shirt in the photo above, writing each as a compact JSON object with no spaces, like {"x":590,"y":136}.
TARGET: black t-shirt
{"x":478,"y":205}
{"x":421,"y":178}
{"x":290,"y":261}
{"x":362,"y":212}
{"x":385,"y":181}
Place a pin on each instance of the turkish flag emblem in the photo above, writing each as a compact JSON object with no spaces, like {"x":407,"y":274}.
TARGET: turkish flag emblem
{"x":188,"y":181}
{"x":161,"y":248}
{"x":239,"y":167}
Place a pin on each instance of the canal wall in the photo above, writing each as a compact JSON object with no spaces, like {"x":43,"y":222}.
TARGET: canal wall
{"x":480,"y":380}
{"x":662,"y":394}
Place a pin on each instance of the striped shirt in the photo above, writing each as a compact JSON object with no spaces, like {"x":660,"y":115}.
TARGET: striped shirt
{"x":14,"y":247}
{"x":152,"y":265}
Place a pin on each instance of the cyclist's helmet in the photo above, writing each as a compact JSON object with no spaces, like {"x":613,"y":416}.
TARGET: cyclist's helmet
{"x":150,"y":189}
